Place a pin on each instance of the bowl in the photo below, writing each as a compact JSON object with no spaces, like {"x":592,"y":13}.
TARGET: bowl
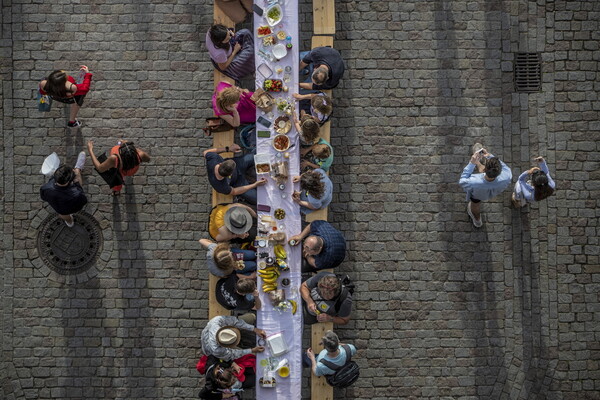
{"x":282,"y":124}
{"x":274,"y":15}
{"x":279,"y":51}
{"x":284,"y":371}
{"x":281,"y":142}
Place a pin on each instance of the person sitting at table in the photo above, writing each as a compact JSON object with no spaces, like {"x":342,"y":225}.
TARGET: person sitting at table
{"x":223,"y":379}
{"x":328,"y":68}
{"x":231,"y":221}
{"x":323,"y":247}
{"x":231,"y":52}
{"x":319,"y":155}
{"x":308,"y":130}
{"x":325,"y":299}
{"x":223,"y":334}
{"x":223,"y":260}
{"x":233,"y":104}
{"x":229,"y":176}
{"x":240,"y":294}
{"x":316,"y":191}
{"x":318,"y":104}
{"x":333,"y":352}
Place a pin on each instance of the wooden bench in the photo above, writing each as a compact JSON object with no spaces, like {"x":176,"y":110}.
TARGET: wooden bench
{"x":324,"y":17}
{"x":220,"y":139}
{"x":324,"y":24}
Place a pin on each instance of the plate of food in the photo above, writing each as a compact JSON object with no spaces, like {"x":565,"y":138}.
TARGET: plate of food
{"x":263,"y":31}
{"x":273,"y":85}
{"x":283,"y":124}
{"x":281,"y":35}
{"x":281,"y":142}
{"x":269,"y":40}
{"x":274,"y":15}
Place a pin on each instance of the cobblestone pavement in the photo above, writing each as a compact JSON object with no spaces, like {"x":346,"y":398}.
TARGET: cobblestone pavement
{"x":443,"y":310}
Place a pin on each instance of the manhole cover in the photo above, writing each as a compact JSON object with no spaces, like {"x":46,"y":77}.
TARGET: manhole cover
{"x":70,"y":251}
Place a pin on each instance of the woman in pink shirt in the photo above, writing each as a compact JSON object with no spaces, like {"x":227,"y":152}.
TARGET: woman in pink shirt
{"x":234,"y":104}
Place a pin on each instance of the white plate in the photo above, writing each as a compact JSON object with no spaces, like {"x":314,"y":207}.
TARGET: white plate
{"x":264,"y":70}
{"x":279,"y":51}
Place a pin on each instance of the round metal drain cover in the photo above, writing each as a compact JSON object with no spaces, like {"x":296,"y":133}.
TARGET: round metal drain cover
{"x":70,"y":251}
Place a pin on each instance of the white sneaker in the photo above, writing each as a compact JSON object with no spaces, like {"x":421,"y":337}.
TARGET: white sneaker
{"x":476,"y":148}
{"x":477,"y":223}
{"x":72,"y":224}
{"x":80,"y":161}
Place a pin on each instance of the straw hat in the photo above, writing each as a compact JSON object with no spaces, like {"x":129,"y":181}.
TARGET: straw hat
{"x":238,"y":220}
{"x":229,"y":336}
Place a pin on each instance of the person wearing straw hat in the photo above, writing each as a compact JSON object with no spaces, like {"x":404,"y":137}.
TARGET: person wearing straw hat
{"x":230,"y":221}
{"x":223,"y":334}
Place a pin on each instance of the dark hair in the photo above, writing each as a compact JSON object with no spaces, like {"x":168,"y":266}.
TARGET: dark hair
{"x":64,"y":174}
{"x":542,"y":189}
{"x":310,"y":129}
{"x":218,"y":33}
{"x":55,"y":84}
{"x":226,"y":168}
{"x":493,"y":168}
{"x":224,"y":377}
{"x":312,"y":183}
{"x":129,"y":156}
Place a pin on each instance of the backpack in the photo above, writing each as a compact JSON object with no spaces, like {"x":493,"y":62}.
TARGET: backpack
{"x":344,"y":375}
{"x":347,"y":288}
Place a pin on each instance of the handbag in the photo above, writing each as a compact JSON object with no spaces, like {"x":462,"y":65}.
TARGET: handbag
{"x":112,"y":176}
{"x":216,"y":124}
{"x":44,"y":102}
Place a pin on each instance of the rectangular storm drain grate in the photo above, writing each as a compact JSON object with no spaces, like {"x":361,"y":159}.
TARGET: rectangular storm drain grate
{"x":528,"y":72}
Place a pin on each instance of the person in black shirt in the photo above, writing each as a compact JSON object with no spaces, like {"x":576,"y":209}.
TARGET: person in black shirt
{"x":228,"y":176}
{"x":235,"y":293}
{"x":64,"y":192}
{"x":328,"y":68}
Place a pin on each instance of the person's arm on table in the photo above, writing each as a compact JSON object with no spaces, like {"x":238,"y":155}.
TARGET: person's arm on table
{"x":234,"y":119}
{"x":236,"y":191}
{"x":336,"y":320}
{"x":313,"y":361}
{"x":302,"y":235}
{"x":305,"y":293}
{"x":234,"y":148}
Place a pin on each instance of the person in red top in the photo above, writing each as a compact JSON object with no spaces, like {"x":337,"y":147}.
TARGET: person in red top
{"x":124,"y":157}
{"x":63,"y":88}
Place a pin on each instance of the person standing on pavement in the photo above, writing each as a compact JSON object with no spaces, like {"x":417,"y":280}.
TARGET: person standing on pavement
{"x":533,"y":185}
{"x":63,"y":88}
{"x":494,"y":176}
{"x":124,"y":159}
{"x":64,"y":192}
{"x":228,"y":176}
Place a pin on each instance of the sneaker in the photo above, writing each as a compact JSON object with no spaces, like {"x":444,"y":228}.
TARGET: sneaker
{"x":73,"y":124}
{"x":476,"y":222}
{"x":72,"y":224}
{"x":80,"y":161}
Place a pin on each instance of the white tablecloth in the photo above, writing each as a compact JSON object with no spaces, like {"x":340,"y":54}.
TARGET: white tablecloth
{"x":269,"y":318}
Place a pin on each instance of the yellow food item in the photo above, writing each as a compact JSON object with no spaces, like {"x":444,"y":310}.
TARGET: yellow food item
{"x":270,"y":280}
{"x":294,"y":306}
{"x":280,"y":251}
{"x":268,"y":288}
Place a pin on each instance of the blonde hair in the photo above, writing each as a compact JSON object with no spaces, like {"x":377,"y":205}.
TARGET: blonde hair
{"x":322,"y":103}
{"x":310,"y":129}
{"x":224,"y":258}
{"x":228,"y":97}
{"x":321,"y":151}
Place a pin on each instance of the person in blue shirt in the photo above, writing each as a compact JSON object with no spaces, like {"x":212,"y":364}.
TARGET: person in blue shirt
{"x":533,"y":185}
{"x":494,"y":176}
{"x":323,"y":247}
{"x":316,"y":191}
{"x":333,"y":352}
